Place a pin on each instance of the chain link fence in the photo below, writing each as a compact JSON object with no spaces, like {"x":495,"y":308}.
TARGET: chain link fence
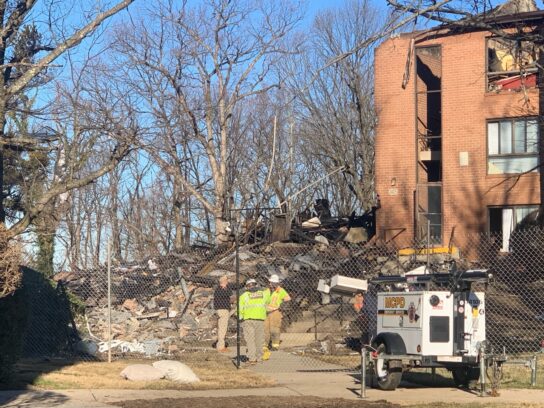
{"x":163,"y":305}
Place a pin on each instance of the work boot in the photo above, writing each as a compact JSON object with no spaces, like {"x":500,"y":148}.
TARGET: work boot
{"x":266,"y":353}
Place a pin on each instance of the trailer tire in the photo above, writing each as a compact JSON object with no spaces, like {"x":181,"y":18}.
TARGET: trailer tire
{"x":464,"y":377}
{"x":388,"y":372}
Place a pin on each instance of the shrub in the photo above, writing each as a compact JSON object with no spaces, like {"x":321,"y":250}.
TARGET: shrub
{"x":13,"y":315}
{"x":10,"y":259}
{"x":12,"y":304}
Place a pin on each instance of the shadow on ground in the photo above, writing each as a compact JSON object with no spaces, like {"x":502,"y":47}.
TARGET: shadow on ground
{"x":38,"y":321}
{"x":25,"y":399}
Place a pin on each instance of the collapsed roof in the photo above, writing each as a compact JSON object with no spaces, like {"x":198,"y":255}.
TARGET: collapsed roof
{"x":514,"y":7}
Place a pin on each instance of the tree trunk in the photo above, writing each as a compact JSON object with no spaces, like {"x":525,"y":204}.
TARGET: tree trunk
{"x":178,"y":218}
{"x":46,"y":251}
{"x":221,"y":235}
{"x":2,"y":134}
{"x":46,"y":230}
{"x":114,"y":216}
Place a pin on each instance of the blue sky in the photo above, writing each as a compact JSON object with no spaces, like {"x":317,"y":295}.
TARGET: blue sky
{"x":315,"y":6}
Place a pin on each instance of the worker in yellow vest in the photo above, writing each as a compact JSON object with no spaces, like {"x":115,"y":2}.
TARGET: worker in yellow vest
{"x":272,"y":327}
{"x":252,"y":310}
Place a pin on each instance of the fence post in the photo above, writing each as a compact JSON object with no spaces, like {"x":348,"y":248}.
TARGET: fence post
{"x":315,"y":324}
{"x":482,"y":371}
{"x":237,"y":267}
{"x":428,"y":267}
{"x":533,"y":371}
{"x":363,"y":372}
{"x":109,"y":300}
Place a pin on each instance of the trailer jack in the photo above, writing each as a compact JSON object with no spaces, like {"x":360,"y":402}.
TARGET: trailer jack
{"x":491,"y":368}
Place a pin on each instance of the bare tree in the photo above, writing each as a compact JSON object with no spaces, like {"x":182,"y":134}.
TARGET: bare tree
{"x":336,"y":111}
{"x":26,"y":55}
{"x":94,"y":130}
{"x":193,"y":73}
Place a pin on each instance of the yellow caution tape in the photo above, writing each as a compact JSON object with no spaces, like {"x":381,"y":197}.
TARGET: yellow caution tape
{"x":425,"y":251}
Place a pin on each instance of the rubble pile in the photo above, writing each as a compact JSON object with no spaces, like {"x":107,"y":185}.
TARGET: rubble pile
{"x":149,"y":278}
{"x":154,"y":325}
{"x":165,"y":304}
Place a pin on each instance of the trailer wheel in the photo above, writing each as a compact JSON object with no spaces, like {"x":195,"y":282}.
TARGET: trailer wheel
{"x":388,"y":372}
{"x":464,"y":376}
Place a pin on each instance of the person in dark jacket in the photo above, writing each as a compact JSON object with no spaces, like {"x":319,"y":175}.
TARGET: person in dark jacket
{"x":222,"y":299}
{"x":361,"y":323}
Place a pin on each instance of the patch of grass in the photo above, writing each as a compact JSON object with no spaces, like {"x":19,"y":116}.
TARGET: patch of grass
{"x":43,"y":382}
{"x":214,"y":371}
{"x":519,"y":376}
{"x":473,"y":405}
{"x":514,"y":376}
{"x":348,"y":361}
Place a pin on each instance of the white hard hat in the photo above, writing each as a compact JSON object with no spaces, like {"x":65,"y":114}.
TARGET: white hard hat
{"x":274,"y":279}
{"x":251,"y":282}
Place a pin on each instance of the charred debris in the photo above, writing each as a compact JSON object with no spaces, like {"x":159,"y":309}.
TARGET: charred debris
{"x":165,"y":303}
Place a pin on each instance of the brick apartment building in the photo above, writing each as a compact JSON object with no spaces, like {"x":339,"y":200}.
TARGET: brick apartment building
{"x":457,"y":125}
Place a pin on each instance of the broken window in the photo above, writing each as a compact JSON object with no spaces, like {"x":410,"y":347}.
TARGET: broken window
{"x":429,"y":141}
{"x":511,"y":64}
{"x":429,"y":213}
{"x":429,"y":113}
{"x":512,"y":146}
{"x":503,"y":220}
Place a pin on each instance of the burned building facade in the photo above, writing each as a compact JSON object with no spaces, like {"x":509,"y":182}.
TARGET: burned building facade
{"x":457,"y":136}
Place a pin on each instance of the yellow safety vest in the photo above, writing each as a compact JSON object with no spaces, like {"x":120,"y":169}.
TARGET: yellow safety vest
{"x":252,"y":305}
{"x":276,"y":298}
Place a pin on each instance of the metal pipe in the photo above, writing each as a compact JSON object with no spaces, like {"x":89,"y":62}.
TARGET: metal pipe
{"x":533,"y":371}
{"x":526,"y":363}
{"x":410,"y":357}
{"x":482,"y":371}
{"x":292,"y":196}
{"x":363,"y":372}
{"x":428,"y":268}
{"x":315,"y":325}
{"x":237,"y":266}
{"x":109,"y":301}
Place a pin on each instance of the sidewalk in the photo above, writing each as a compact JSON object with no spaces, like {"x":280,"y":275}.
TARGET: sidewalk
{"x":319,"y":379}
{"x":328,"y":389}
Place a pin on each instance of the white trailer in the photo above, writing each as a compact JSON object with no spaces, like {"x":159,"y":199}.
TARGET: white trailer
{"x":430,"y":328}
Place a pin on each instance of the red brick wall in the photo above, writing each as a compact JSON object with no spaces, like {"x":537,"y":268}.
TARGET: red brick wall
{"x":468,"y":190}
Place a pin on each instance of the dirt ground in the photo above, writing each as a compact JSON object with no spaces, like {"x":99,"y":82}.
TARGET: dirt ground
{"x":254,"y":402}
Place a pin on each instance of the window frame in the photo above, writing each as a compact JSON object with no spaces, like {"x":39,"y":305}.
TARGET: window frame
{"x":513,"y":153}
{"x":514,"y":207}
{"x":526,"y":71}
{"x":505,"y":237}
